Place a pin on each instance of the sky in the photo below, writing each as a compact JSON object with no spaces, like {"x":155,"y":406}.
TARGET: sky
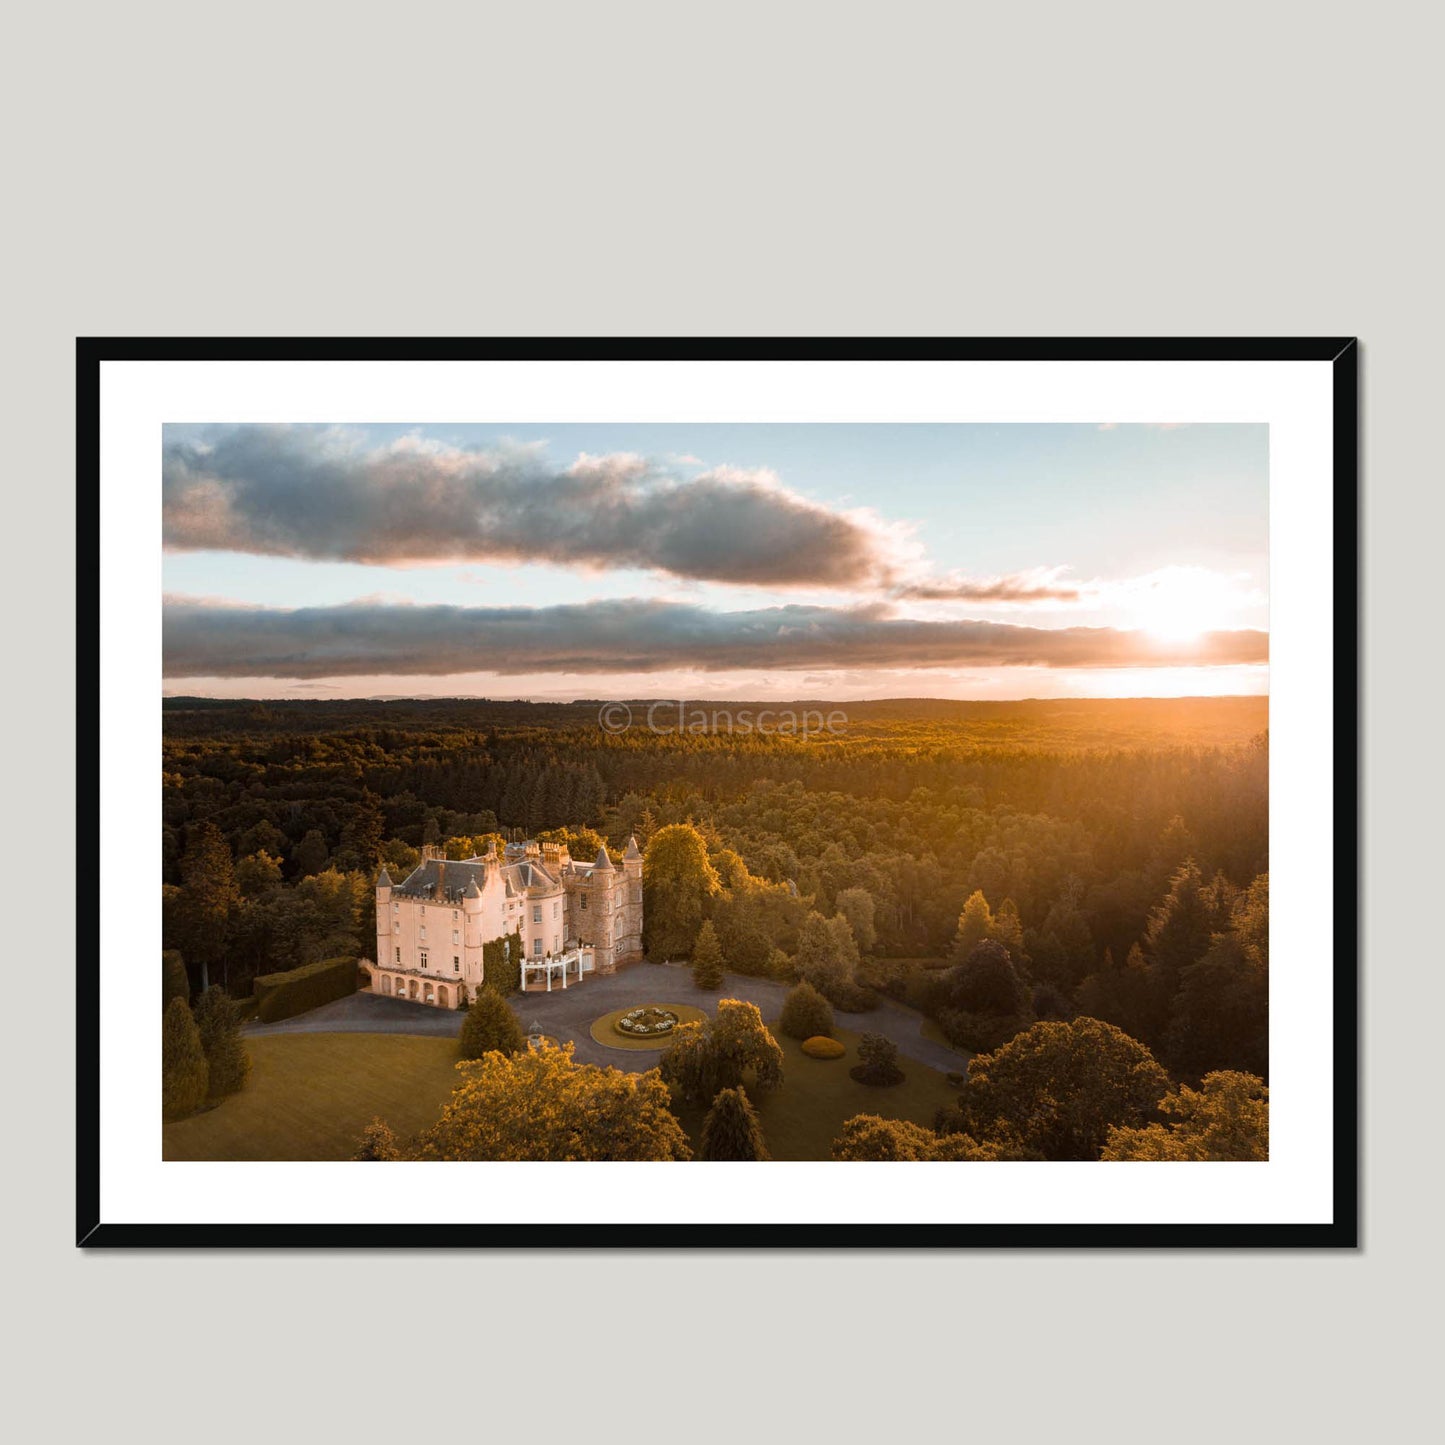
{"x":739,"y":562}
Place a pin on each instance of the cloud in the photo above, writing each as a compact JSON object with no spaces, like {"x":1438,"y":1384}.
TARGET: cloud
{"x":324,"y":493}
{"x":210,"y":639}
{"x":1039,"y":584}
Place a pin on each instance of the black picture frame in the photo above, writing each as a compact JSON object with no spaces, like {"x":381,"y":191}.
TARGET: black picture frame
{"x":1343,"y":355}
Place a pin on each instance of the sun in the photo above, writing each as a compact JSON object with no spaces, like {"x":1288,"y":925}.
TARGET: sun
{"x":1180,"y":604}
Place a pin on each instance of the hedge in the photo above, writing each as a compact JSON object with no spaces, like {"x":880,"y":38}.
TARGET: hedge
{"x":823,"y":1048}
{"x":283,"y":995}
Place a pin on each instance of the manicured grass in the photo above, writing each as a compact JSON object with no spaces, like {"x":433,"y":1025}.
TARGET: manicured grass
{"x":604,"y":1030}
{"x":801,"y":1120}
{"x":310,"y":1096}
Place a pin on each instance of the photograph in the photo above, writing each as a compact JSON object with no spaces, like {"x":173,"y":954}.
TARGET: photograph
{"x":780,"y":792}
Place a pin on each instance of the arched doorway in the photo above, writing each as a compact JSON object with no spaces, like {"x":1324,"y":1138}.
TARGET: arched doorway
{"x":413,"y":989}
{"x":443,"y":1001}
{"x":386,"y":983}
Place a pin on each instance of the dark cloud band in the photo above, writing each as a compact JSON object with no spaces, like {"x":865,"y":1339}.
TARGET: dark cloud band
{"x":207,"y":639}
{"x":320,"y":493}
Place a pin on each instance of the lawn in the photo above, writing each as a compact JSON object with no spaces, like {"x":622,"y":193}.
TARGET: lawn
{"x":310,"y":1096}
{"x":801,"y":1119}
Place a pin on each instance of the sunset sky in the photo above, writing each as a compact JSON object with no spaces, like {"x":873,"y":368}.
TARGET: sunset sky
{"x":726,"y":561}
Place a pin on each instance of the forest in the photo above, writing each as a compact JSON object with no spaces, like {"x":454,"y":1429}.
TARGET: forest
{"x":1112,"y":853}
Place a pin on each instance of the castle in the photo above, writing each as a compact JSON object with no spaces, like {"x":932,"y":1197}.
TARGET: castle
{"x":573,"y":918}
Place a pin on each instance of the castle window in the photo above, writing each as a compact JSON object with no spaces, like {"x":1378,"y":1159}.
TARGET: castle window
{"x":456,"y":936}
{"x":456,"y":964}
{"x":454,"y":915}
{"x":584,"y":903}
{"x":423,"y":958}
{"x":537,"y":948}
{"x":536,"y":913}
{"x":556,"y":909}
{"x":423,"y":933}
{"x":398,"y":955}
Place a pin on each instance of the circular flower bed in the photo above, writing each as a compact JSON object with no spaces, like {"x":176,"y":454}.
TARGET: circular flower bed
{"x":650,"y":1022}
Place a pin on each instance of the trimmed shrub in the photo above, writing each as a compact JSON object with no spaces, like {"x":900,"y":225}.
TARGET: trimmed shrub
{"x":490,"y":1027}
{"x":284,"y":995}
{"x":174,"y":983}
{"x":227,"y":1061}
{"x":823,"y":1048}
{"x":502,"y":966}
{"x":806,"y":1013}
{"x":731,"y":1129}
{"x":878,"y":1062}
{"x":183,"y":1062}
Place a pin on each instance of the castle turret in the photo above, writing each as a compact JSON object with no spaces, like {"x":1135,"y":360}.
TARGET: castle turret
{"x":630,"y":940}
{"x":472,"y":939}
{"x":384,"y":945}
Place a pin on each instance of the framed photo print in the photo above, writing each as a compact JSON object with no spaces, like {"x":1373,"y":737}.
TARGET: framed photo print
{"x":719,"y":792}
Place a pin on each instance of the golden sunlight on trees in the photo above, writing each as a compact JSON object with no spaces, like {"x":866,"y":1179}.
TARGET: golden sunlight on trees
{"x":866,"y":1136}
{"x":678,"y":883}
{"x":540,"y":1104}
{"x":377,"y":1143}
{"x":714,"y":1054}
{"x":1061,"y":1087}
{"x":1227,"y":1118}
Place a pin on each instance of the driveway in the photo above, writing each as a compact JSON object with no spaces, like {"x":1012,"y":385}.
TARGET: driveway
{"x":567,"y":1014}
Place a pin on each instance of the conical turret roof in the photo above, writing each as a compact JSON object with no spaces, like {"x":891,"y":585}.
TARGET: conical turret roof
{"x":633,"y":851}
{"x":602,"y":860}
{"x":383,"y":879}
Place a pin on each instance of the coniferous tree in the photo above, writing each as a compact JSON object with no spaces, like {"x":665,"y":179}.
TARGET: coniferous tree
{"x":183,"y":1062}
{"x":731,"y":1129}
{"x":207,"y":898}
{"x":707,"y":959}
{"x":974,"y":924}
{"x":228,"y":1065}
{"x":174,"y":983}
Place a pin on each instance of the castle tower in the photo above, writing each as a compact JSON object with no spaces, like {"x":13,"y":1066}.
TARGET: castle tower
{"x":384,"y":946}
{"x":630,"y":944}
{"x":473,"y":967}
